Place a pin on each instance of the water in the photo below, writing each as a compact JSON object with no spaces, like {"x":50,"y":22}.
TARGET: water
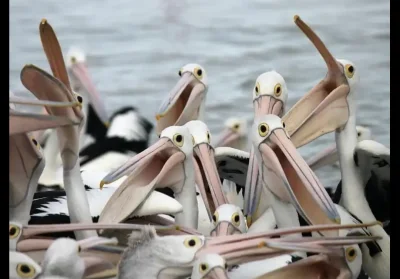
{"x":136,"y":48}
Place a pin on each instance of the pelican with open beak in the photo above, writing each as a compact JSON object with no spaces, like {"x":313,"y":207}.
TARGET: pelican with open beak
{"x":167,"y":163}
{"x":270,"y":95}
{"x":288,"y":177}
{"x":186,"y":100}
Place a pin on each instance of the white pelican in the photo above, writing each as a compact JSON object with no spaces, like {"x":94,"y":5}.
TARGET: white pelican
{"x":334,"y":99}
{"x":286,"y":176}
{"x":151,"y":256}
{"x":62,"y":258}
{"x":329,"y":155}
{"x":209,"y":266}
{"x":39,"y":82}
{"x":186,"y":100}
{"x":22,"y":266}
{"x":167,"y":163}
{"x":234,"y":134}
{"x":270,"y":95}
{"x":26,"y":158}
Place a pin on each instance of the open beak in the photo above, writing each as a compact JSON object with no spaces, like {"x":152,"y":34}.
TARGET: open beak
{"x":207,"y":178}
{"x":327,"y":156}
{"x":325,"y":107}
{"x":159,"y":166}
{"x":227,"y":138}
{"x":216,"y":273}
{"x":267,"y":104}
{"x":22,"y":122}
{"x":287,"y":172}
{"x":80,"y":72}
{"x":182,"y":103}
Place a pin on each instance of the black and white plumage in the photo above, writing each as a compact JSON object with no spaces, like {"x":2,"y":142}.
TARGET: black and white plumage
{"x":50,"y":207}
{"x":127,"y":135}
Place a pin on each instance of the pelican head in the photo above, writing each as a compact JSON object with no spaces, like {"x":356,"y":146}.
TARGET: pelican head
{"x":270,"y":94}
{"x":234,"y":134}
{"x":82,"y":82}
{"x":186,"y":100}
{"x":207,"y":177}
{"x":228,"y":219}
{"x":328,"y":106}
{"x":161,"y":165}
{"x":289,"y":176}
{"x":23,"y":267}
{"x":209,"y":266}
{"x":330,"y":155}
{"x":62,"y":257}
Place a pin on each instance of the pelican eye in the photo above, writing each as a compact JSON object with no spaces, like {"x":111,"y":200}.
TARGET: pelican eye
{"x":14,"y":231}
{"x":198,"y":73}
{"x":208,"y":137}
{"x":235,"y":219}
{"x":349,"y":70}
{"x":178,"y":140}
{"x":203,"y":267}
{"x":80,"y":99}
{"x":25,"y":270}
{"x":358,"y":134}
{"x":226,"y":266}
{"x":191,"y":242}
{"x":257,"y":89}
{"x":283,"y":124}
{"x":351,"y":254}
{"x":278,"y":90}
{"x":236,"y":127}
{"x":193,"y":141}
{"x":215,"y":217}
{"x":180,"y":72}
{"x":79,"y":249}
{"x":263,"y":129}
{"x":73,"y":59}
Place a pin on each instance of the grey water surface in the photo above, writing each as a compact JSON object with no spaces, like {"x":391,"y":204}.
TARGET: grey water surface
{"x":136,"y":48}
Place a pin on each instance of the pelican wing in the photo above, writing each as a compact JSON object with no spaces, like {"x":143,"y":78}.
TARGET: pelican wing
{"x":232,"y":164}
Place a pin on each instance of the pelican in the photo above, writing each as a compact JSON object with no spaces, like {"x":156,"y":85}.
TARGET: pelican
{"x":95,"y":126}
{"x":39,"y":82}
{"x":270,"y":95}
{"x":291,"y":184}
{"x":167,"y":163}
{"x":209,"y":266}
{"x":234,"y":134}
{"x":329,"y":155}
{"x":62,"y":258}
{"x":186,"y":100}
{"x":22,"y":266}
{"x":151,"y":256}
{"x":26,"y":158}
{"x":334,"y":99}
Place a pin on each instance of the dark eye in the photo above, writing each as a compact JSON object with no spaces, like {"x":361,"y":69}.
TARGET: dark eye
{"x":179,"y":138}
{"x":358,"y":134}
{"x":203,"y":267}
{"x":226,"y":266}
{"x":214,"y":218}
{"x":351,"y":69}
{"x":34,"y":142}
{"x":192,"y":243}
{"x":199,"y":72}
{"x":237,"y":218}
{"x":80,"y":99}
{"x":180,"y":73}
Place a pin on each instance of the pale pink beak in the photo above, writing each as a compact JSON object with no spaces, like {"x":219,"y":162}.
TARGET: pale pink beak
{"x":267,"y":104}
{"x":326,"y":157}
{"x":159,"y":166}
{"x":207,"y":177}
{"x":225,"y":228}
{"x":182,"y":103}
{"x":80,"y":71}
{"x":216,"y":273}
{"x":325,"y":107}
{"x":227,"y":138}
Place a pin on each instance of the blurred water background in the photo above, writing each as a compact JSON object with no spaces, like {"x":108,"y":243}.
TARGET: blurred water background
{"x":136,"y":48}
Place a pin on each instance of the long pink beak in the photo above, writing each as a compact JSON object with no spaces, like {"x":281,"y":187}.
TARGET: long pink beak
{"x":81,"y":73}
{"x":207,"y":177}
{"x":267,"y":104}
